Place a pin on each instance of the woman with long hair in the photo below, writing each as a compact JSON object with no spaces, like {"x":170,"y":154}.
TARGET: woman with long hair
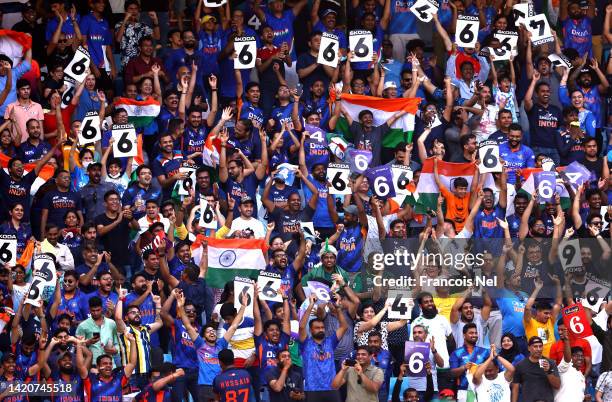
{"x":15,"y":226}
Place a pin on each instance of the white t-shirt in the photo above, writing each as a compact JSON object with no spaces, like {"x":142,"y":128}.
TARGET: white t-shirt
{"x":145,"y":224}
{"x":255,"y":225}
{"x":438,"y":327}
{"x":497,"y":390}
{"x":572,"y":383}
{"x":488,"y":122}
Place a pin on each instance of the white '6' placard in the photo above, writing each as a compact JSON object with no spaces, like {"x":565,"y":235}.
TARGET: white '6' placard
{"x":328,"y":50}
{"x":208,"y":218}
{"x":8,"y":249}
{"x":338,"y":176}
{"x":70,"y":88}
{"x":425,"y":9}
{"x":90,"y":129}
{"x":43,"y":276}
{"x":507,"y":40}
{"x":362,"y":45}
{"x":244,"y":286}
{"x":124,"y":145}
{"x":466,"y":34}
{"x":187,"y":183}
{"x":488,"y":153}
{"x":77,"y":68}
{"x":500,"y":53}
{"x":246,"y":50}
{"x":402,"y":175}
{"x":269,"y":284}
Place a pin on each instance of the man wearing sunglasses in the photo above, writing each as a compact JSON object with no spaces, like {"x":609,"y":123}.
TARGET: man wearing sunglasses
{"x":207,"y":345}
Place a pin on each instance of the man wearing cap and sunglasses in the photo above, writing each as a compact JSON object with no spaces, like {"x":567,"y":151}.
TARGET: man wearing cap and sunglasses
{"x":536,"y":376}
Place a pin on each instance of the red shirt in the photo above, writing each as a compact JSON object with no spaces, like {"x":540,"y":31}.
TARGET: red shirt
{"x":556,"y":350}
{"x":265,"y":53}
{"x":50,"y":121}
{"x":463,"y":57}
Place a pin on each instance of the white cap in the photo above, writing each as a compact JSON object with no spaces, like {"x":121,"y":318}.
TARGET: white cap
{"x":389,"y":84}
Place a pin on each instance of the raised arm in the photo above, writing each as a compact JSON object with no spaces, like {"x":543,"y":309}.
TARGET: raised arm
{"x":238,"y":319}
{"x":448,"y":44}
{"x":534,"y":295}
{"x":529,"y":94}
{"x":180,"y":311}
{"x":303,"y":332}
{"x":129,"y":367}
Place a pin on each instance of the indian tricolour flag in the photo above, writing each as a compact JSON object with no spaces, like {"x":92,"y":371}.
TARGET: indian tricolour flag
{"x":14,"y":44}
{"x":427,"y":191}
{"x":140,"y":113}
{"x":382,"y":109}
{"x":211,"y":151}
{"x":229,"y":258}
{"x":44,"y":174}
{"x":528,"y":186}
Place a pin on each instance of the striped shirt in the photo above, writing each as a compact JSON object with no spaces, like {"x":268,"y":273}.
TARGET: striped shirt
{"x":242,"y":342}
{"x":142,"y":336}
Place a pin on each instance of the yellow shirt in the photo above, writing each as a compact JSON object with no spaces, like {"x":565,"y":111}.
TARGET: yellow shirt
{"x":445,"y":305}
{"x":546,"y":331}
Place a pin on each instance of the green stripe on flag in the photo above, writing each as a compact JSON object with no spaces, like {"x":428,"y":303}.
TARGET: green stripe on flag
{"x":395,"y":136}
{"x":141,"y":121}
{"x":426,"y":202}
{"x":218,"y":277}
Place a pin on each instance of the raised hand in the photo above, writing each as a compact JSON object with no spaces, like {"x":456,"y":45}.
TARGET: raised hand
{"x":227,"y":114}
{"x":180,"y":300}
{"x":538,"y":283}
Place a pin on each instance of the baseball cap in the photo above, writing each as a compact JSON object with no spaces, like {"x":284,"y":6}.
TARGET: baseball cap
{"x":328,"y":11}
{"x":389,"y":84}
{"x":535,"y":339}
{"x":246,"y":199}
{"x":209,"y":18}
{"x":351,"y":209}
{"x":27,"y":7}
{"x":446,"y":393}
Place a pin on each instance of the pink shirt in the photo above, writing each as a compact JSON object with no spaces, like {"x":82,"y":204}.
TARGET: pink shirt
{"x":24,"y":113}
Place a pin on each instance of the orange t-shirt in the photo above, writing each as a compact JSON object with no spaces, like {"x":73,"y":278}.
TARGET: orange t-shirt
{"x":457,"y":209}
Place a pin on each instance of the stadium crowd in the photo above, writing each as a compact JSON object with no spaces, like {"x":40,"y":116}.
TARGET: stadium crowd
{"x":364,"y":200}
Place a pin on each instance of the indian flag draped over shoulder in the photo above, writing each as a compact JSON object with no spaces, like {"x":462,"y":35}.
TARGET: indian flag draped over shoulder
{"x":44,"y":174}
{"x":528,"y":186}
{"x":427,"y":190}
{"x":383,"y":109}
{"x":140,"y":113}
{"x":14,"y":44}
{"x":228,"y":258}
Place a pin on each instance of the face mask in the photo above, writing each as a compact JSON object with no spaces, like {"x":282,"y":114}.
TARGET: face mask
{"x":85,"y":164}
